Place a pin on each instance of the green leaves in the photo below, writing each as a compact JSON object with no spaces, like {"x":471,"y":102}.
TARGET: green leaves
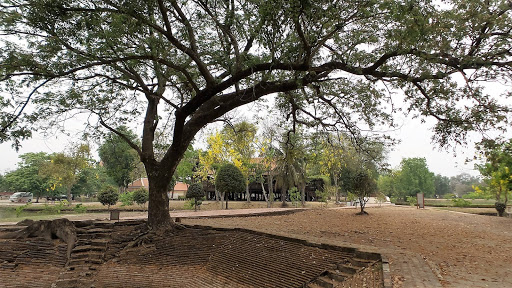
{"x":229,"y":179}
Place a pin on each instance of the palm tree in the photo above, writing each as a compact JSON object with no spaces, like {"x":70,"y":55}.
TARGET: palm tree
{"x":290,"y":166}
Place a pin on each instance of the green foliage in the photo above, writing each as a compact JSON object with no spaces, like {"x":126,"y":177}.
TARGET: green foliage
{"x":500,"y":207}
{"x":50,"y":209}
{"x":414,"y":175}
{"x":497,"y":168}
{"x":195,"y":191}
{"x":322,"y":195}
{"x":141,"y":196}
{"x":28,"y":176}
{"x":119,"y":159}
{"x":56,"y":208}
{"x":459,"y":202}
{"x":20,"y":209}
{"x":464,"y":183}
{"x":290,"y":166}
{"x":351,"y":196}
{"x":80,"y":208}
{"x":381,"y":198}
{"x":182,"y":66}
{"x":91,"y":180}
{"x":449,"y":196}
{"x":442,"y":185}
{"x":126,"y":198}
{"x":187,"y":167}
{"x":412,"y":200}
{"x":108,"y":196}
{"x":230,"y":179}
{"x":294,"y":196}
{"x":64,"y":169}
{"x":387,"y":184}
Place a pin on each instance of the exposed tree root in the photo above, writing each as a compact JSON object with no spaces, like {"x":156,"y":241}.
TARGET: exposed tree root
{"x":62,"y":229}
{"x":146,"y":236}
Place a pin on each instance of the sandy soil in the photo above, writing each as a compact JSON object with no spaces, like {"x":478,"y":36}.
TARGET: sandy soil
{"x":463,"y":250}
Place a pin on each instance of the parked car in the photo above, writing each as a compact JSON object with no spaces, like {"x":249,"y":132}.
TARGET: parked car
{"x":21,"y":197}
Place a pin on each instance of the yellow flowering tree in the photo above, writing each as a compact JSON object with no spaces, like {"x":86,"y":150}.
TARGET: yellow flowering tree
{"x":64,"y":168}
{"x":497,"y":170}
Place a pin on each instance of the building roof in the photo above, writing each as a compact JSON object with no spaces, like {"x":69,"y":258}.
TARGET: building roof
{"x":180,"y":186}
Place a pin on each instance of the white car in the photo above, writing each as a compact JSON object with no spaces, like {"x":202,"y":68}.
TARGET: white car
{"x":21,"y":197}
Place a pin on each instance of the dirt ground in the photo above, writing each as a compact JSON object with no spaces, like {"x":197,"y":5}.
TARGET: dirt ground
{"x":463,"y":250}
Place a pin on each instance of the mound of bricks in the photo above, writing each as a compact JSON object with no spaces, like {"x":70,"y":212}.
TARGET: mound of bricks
{"x":105,"y":256}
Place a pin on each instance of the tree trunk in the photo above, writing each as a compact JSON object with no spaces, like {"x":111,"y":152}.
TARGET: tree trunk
{"x":247,"y":193}
{"x":68,"y":194}
{"x":336,"y":191}
{"x":264,"y":192}
{"x":158,"y":208}
{"x":221,"y":200}
{"x":284,"y":189}
{"x":270,"y":188}
{"x":303,"y":194}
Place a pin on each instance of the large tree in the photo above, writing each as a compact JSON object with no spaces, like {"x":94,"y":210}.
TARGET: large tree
{"x":64,"y":169}
{"x":28,"y":177}
{"x":497,"y":170}
{"x":240,"y":138}
{"x":415,"y":176}
{"x":183,"y":64}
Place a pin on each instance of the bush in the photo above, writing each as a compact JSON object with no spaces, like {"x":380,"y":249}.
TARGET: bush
{"x":20,"y":209}
{"x":412,"y":200}
{"x":55,"y":209}
{"x":449,"y":196}
{"x":322,"y":196}
{"x":108,"y":196}
{"x":126,"y":198}
{"x":79,"y":208}
{"x":458,"y":202}
{"x":141,"y":196}
{"x":294,"y":196}
{"x":195,"y":192}
{"x":500,"y":207}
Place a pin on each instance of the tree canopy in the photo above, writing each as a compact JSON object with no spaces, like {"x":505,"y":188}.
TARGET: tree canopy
{"x":29,"y":177}
{"x":497,"y":170}
{"x":415,"y":176}
{"x":181,"y":64}
{"x":230,"y":179}
{"x":119,"y":159}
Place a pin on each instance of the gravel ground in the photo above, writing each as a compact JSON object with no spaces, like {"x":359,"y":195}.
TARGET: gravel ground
{"x":463,"y":250}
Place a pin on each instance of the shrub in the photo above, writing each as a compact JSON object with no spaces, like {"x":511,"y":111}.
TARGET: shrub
{"x":55,"y":209}
{"x":294,"y":196}
{"x":322,"y":196}
{"x":20,"y":209}
{"x":412,"y":200}
{"x":79,"y":208}
{"x":195,"y":192}
{"x":459,"y":202}
{"x":500,"y":207}
{"x":126,"y":198}
{"x":141,"y":196}
{"x":108,"y":196}
{"x":449,"y":196}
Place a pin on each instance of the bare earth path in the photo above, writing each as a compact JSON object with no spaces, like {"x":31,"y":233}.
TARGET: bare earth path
{"x":463,"y":250}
